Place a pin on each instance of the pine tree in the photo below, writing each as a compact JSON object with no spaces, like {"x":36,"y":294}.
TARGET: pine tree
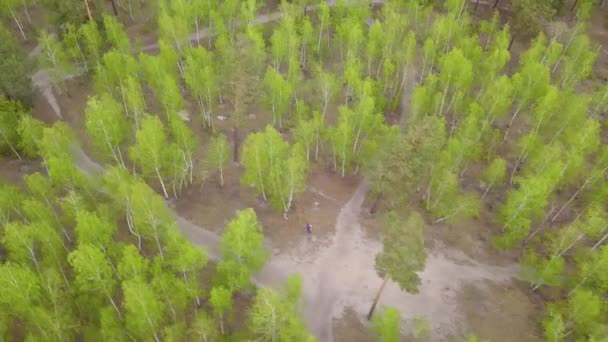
{"x":403,"y":254}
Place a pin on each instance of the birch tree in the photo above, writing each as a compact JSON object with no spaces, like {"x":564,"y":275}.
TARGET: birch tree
{"x":218,"y":155}
{"x":11,"y":113}
{"x":326,"y":88}
{"x":221,"y":302}
{"x":242,"y":249}
{"x":116,"y":35}
{"x":54,"y":58}
{"x":107,"y":127}
{"x":143,"y":310}
{"x":93,"y":273}
{"x":277,"y":93}
{"x":149,"y":150}
{"x":200,"y":74}
{"x":273,"y":316}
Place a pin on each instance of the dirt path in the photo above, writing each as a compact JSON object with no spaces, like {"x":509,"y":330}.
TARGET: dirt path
{"x":341,"y":275}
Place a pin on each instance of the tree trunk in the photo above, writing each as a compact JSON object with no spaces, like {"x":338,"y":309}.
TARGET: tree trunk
{"x":221,"y":177}
{"x":573,"y":5}
{"x":371,"y":310}
{"x":162,"y":184}
{"x":114,"y":9}
{"x":476,"y":5}
{"x":19,"y":25}
{"x":86,"y":4}
{"x":511,"y":43}
{"x":235,"y":146}
{"x":597,"y":244}
{"x":27,"y":13}
{"x":495,"y":3}
{"x":569,"y":201}
{"x":374,"y":207}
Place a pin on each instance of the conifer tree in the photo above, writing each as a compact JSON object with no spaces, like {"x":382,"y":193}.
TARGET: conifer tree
{"x":402,"y":255}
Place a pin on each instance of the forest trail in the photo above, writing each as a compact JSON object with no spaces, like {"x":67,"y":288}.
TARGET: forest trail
{"x":42,"y":82}
{"x":341,"y":275}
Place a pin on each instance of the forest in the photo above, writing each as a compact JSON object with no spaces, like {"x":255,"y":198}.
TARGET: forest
{"x":484,"y":120}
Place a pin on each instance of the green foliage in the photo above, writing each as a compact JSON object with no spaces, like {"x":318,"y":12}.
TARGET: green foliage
{"x":200,"y":75}
{"x":386,"y":325}
{"x":15,"y":70}
{"x":93,"y":273}
{"x":92,"y":43}
{"x":149,"y":150}
{"x":403,"y":254}
{"x":218,"y":154}
{"x":277,"y":93}
{"x":273,"y":317}
{"x":11,"y":113}
{"x":529,"y":17}
{"x":116,"y":35}
{"x":273,"y":168}
{"x":106,"y":126}
{"x":401,"y":162}
{"x":30,"y":132}
{"x":54,"y":58}
{"x":585,"y":310}
{"x":421,"y":328}
{"x":221,"y":301}
{"x":494,"y":174}
{"x":243,"y":251}
{"x":143,"y":309}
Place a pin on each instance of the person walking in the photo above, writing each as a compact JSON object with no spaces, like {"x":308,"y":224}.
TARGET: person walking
{"x":309,"y":228}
